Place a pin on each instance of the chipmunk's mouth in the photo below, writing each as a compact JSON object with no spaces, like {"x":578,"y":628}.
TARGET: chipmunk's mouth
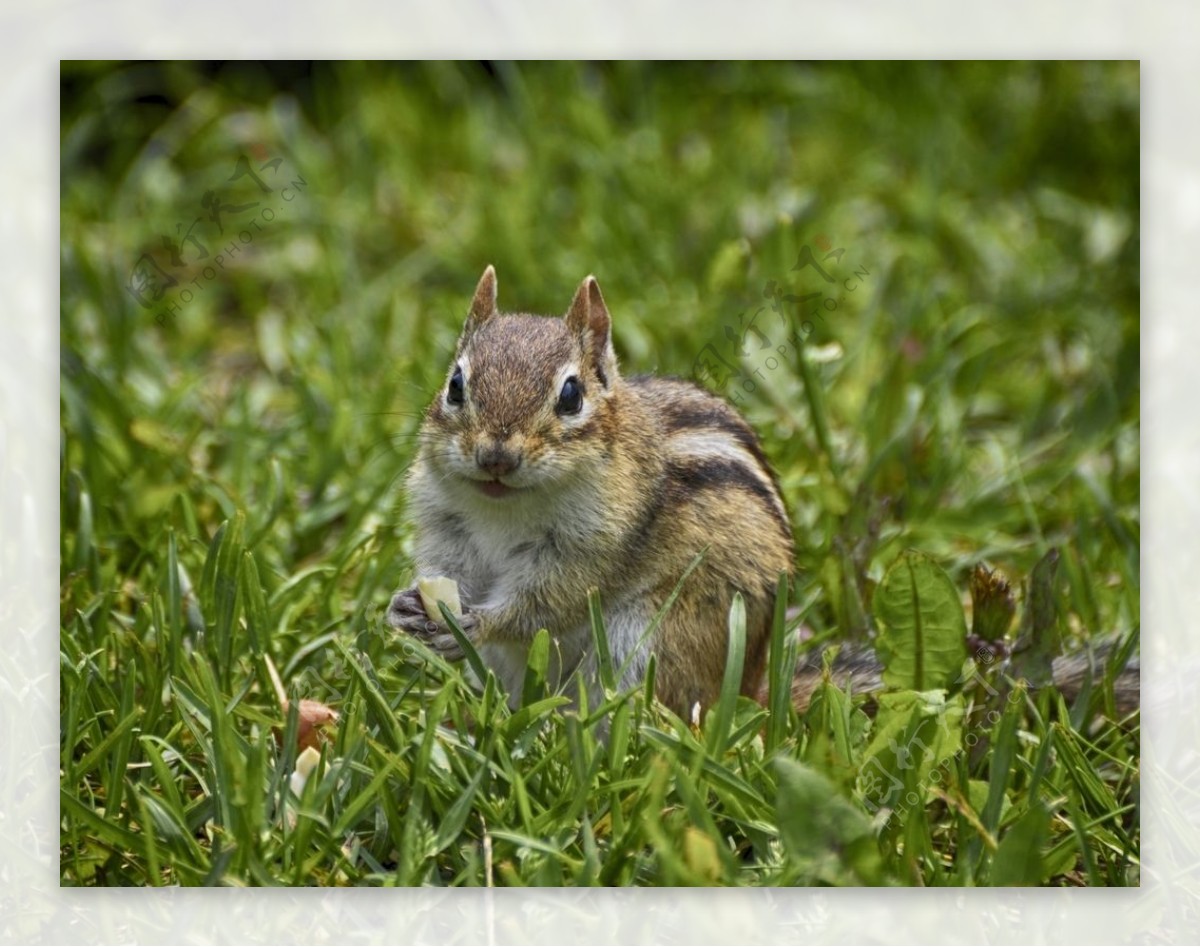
{"x":495,"y":489}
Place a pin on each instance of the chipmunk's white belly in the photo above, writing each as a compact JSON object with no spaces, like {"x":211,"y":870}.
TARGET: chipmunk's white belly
{"x":498,"y":552}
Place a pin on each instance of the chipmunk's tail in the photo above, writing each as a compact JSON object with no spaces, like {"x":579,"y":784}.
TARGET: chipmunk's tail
{"x":857,"y":668}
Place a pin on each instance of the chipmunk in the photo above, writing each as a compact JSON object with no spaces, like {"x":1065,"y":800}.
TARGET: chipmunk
{"x":542,"y":472}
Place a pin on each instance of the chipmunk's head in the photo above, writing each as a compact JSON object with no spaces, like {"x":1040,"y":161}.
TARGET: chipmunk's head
{"x":527,"y":401}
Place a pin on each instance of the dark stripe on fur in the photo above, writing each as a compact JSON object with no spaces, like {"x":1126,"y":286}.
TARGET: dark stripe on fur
{"x":639,"y":536}
{"x":718,"y":418}
{"x":690,"y":476}
{"x":698,"y":409}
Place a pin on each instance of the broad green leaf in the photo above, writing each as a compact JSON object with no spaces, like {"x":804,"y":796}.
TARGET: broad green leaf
{"x":917,"y":735}
{"x":1018,"y":860}
{"x":922,"y":632}
{"x":977,"y":795}
{"x":826,"y":835}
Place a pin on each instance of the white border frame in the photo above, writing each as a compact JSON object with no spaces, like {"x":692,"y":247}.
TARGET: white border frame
{"x":32,"y":907}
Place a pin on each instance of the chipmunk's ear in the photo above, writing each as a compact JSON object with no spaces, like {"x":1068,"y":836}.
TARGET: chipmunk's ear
{"x":589,"y":320}
{"x":483,"y":304}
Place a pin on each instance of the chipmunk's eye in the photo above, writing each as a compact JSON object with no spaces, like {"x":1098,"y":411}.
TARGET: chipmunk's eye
{"x":454,"y":393}
{"x":570,"y":399}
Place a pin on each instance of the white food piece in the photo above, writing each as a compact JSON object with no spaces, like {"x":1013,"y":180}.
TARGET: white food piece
{"x":439,"y":588}
{"x":306,"y":762}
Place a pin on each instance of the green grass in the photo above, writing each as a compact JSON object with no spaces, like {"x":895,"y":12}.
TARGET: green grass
{"x":231,"y":477}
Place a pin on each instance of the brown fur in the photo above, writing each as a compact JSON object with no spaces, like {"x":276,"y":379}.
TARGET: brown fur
{"x":621,"y":499}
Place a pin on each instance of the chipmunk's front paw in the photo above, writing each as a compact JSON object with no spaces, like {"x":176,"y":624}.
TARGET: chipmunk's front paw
{"x":407,"y":613}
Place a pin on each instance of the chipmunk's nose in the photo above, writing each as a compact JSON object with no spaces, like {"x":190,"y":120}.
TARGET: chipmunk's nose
{"x":497,"y":460}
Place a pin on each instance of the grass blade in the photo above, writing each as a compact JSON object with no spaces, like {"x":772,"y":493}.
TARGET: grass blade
{"x":781,"y":667}
{"x":600,"y":640}
{"x":720,"y":717}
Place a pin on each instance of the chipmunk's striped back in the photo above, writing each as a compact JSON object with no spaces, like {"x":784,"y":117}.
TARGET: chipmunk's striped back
{"x":709,"y":446}
{"x":715,"y":493}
